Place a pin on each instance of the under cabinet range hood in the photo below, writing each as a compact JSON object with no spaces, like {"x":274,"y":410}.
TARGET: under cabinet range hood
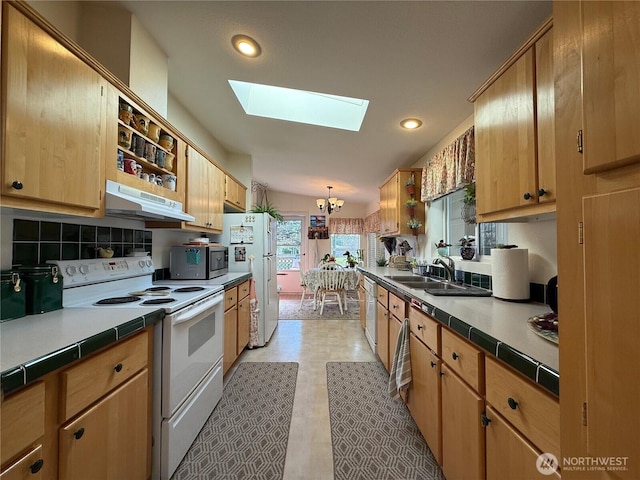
{"x":124,"y":201}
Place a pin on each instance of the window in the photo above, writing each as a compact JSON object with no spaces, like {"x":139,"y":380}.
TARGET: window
{"x":343,"y":242}
{"x":487,"y":235}
{"x":289,"y":243}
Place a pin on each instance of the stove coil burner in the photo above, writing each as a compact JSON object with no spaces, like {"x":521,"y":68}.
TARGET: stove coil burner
{"x":157,"y":289}
{"x":158,"y":301}
{"x":117,"y":300}
{"x":189,"y":289}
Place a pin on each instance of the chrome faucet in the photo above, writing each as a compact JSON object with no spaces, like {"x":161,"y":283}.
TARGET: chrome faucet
{"x":450,"y":267}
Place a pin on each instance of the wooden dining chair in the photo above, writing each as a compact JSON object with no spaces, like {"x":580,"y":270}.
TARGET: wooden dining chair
{"x":304,"y":284}
{"x":330,"y":266}
{"x":331,"y":283}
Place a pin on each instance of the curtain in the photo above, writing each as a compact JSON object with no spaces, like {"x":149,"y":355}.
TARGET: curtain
{"x":372,"y":223}
{"x":450,"y":169}
{"x":346,"y":225}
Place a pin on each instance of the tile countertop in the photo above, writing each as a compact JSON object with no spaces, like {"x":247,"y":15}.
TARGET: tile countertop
{"x":32,"y":346}
{"x":228,"y":280}
{"x":498,"y":326}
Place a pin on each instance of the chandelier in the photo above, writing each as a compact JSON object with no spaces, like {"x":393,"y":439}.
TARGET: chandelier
{"x":330,"y":204}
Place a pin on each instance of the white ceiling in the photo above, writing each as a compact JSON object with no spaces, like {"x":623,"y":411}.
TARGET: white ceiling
{"x":409,"y":59}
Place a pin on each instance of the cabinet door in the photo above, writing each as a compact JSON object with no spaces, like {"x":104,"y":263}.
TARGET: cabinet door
{"x":216,"y":197}
{"x":55,"y":110}
{"x":197,"y":188}
{"x":111,"y":439}
{"x":611,"y":97}
{"x":244,"y":319}
{"x":29,"y":467}
{"x":424,"y":395}
{"x":387,"y":212}
{"x":509,"y":454}
{"x":394,"y":331}
{"x":362,"y":300}
{"x":612,"y":304}
{"x":230,"y":338}
{"x":382,"y":334}
{"x":463,"y":447}
{"x":505,"y":140}
{"x":545,"y":119}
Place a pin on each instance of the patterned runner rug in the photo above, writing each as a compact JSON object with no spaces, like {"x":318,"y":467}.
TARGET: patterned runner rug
{"x":246,"y":435}
{"x":290,"y":310}
{"x":373,"y":436}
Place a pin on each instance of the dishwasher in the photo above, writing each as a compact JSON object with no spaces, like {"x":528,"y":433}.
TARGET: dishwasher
{"x":370,"y":305}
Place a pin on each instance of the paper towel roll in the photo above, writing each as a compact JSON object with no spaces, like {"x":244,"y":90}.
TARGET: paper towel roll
{"x":510,"y":273}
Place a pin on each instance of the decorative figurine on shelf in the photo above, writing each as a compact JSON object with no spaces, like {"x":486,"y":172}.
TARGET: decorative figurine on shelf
{"x":442,"y":248}
{"x":351,"y":260}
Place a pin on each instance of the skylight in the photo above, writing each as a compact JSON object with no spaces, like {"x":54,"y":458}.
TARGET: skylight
{"x":300,"y":106}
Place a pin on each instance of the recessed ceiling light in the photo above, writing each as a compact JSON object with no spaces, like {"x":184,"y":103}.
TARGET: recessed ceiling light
{"x":247,"y":46}
{"x":411,"y":123}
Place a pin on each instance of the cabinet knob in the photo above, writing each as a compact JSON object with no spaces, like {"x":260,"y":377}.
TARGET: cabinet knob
{"x":455,"y":356}
{"x":512,"y":403}
{"x":36,"y":466}
{"x":527,"y":196}
{"x":420,"y":327}
{"x":17,"y":185}
{"x":542,"y":192}
{"x":118,"y":367}
{"x":433,"y":364}
{"x":78,"y":433}
{"x":485,"y":420}
{"x":442,"y":374}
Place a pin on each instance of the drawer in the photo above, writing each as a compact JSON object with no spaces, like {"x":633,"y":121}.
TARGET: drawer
{"x":29,"y":466}
{"x":425,"y":328}
{"x":383,"y":296}
{"x":243,"y":290}
{"x":397,"y":307}
{"x":464,"y":359}
{"x":529,"y":409}
{"x":230,"y":298}
{"x":90,"y":379}
{"x":22,"y":420}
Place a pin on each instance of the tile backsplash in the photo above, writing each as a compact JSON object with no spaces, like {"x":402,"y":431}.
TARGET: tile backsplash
{"x":38,"y":241}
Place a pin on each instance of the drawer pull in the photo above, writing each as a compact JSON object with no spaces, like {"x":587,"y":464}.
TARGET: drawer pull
{"x":78,"y":433}
{"x":455,"y":356}
{"x":485,"y":420}
{"x":542,"y":192}
{"x":36,"y":466}
{"x":420,"y":327}
{"x":527,"y":196}
{"x":118,"y":367}
{"x":433,"y":364}
{"x":512,"y":403}
{"x":442,"y":374}
{"x":17,"y":184}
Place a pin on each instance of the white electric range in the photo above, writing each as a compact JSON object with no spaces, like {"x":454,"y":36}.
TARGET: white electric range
{"x":188,"y":343}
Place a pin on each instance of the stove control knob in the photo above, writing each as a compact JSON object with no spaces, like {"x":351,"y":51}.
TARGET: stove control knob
{"x":149,"y":263}
{"x":71,"y":270}
{"x":141,"y":263}
{"x":84,"y":269}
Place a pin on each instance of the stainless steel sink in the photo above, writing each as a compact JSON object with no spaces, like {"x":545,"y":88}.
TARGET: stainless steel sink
{"x":412,"y":279}
{"x":449,"y":289}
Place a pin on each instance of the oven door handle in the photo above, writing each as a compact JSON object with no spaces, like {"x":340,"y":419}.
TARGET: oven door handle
{"x":192,"y":311}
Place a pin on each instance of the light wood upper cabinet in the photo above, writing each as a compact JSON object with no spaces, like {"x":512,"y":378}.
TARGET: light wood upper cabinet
{"x":205,"y":187}
{"x":514,"y":131}
{"x":610,"y":79}
{"x":54,"y":121}
{"x":393,"y":195}
{"x":235,"y":194}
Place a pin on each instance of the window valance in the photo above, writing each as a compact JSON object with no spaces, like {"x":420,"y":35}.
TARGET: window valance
{"x":346,"y":225}
{"x":450,"y":169}
{"x":372,"y":223}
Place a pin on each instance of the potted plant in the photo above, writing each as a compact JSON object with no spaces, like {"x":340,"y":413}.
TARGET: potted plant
{"x":411,"y":185}
{"x":468,"y":211}
{"x":268,"y":208}
{"x":414,"y":224}
{"x":442,"y":248}
{"x":467,"y":250}
{"x":351,"y":260}
{"x":411,"y":206}
{"x":381,"y":262}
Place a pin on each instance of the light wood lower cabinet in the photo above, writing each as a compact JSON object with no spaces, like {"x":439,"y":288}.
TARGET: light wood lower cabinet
{"x":237,"y":323}
{"x":382,"y":335}
{"x":244,"y":323}
{"x":110,"y":439}
{"x":425,"y":394}
{"x":230,"y":338}
{"x":28,"y":467}
{"x":463,"y":443}
{"x":509,"y":454}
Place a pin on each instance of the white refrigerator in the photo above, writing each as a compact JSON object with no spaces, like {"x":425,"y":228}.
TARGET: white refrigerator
{"x":253,"y":235}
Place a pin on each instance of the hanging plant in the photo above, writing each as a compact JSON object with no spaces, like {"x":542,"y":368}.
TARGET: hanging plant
{"x":268,"y":208}
{"x":468,"y":211}
{"x":411,"y":206}
{"x":411,"y":185}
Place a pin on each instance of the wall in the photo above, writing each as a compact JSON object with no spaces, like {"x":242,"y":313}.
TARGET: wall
{"x":64,"y":15}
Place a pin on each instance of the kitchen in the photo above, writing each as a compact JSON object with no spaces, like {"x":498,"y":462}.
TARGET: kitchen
{"x":163,"y":239}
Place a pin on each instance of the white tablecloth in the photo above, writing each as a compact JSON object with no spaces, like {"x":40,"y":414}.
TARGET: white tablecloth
{"x":350,"y":282}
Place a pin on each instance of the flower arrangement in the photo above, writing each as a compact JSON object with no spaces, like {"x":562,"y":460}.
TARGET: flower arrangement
{"x":351,"y":260}
{"x":467,"y":241}
{"x":413,"y":223}
{"x":328,"y":258}
{"x":442,"y":244}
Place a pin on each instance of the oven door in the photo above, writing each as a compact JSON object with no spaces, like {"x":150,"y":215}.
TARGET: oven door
{"x":192,"y":345}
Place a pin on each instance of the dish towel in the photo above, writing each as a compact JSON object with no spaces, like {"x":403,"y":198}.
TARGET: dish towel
{"x":253,"y":309}
{"x":400,"y":375}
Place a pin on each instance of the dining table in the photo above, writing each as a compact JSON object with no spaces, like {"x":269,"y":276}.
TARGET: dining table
{"x":313,"y":276}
